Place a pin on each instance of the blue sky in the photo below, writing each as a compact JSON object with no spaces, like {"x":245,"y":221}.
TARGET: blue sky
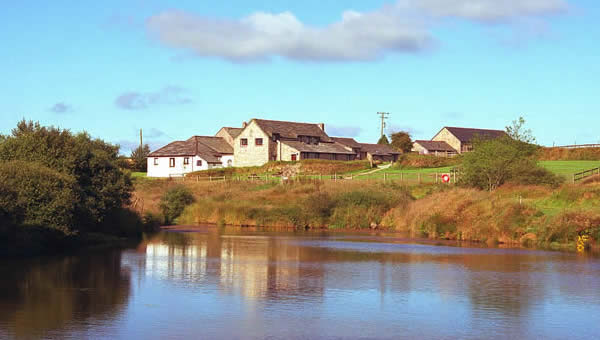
{"x":190,"y":67}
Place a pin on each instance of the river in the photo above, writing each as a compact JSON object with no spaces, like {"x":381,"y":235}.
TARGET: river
{"x":229,"y":283}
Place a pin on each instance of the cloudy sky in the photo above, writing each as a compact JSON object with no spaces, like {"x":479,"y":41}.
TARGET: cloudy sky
{"x":181,"y":68}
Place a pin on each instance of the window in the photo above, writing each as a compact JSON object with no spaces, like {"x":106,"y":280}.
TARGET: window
{"x":171,"y":162}
{"x":199,"y":162}
{"x":155,"y":161}
{"x":258,"y":141}
{"x":186,"y":161}
{"x":244,"y":142}
{"x":294,"y":157}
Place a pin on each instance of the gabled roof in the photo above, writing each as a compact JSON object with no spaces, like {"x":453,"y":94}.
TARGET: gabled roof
{"x":217,"y":144}
{"x":233,"y":132}
{"x":379,"y":149}
{"x":209,"y":148}
{"x":435,"y":145}
{"x":291,"y":130}
{"x":332,"y":148}
{"x":466,"y":135}
{"x":349,"y":142}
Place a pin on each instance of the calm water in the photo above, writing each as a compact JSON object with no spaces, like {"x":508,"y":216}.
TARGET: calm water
{"x":229,"y":284}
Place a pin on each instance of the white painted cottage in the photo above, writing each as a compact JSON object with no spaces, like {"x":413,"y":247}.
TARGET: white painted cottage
{"x":197,"y":153}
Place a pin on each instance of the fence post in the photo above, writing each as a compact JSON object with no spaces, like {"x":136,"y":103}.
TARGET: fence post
{"x":384,"y":177}
{"x":335,"y":177}
{"x":454,"y":173}
{"x":436,"y":178}
{"x":401,"y":177}
{"x":419,"y":178}
{"x":210,"y":178}
{"x":573,"y":178}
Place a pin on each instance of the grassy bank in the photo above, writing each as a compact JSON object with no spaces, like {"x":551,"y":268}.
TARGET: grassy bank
{"x":529,"y":215}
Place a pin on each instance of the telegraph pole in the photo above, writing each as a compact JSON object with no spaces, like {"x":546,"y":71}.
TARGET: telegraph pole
{"x":141,"y":140}
{"x":384,"y":116}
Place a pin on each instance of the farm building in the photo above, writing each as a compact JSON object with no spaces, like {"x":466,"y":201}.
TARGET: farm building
{"x":461,"y":139}
{"x":261,"y":141}
{"x":380,"y":152}
{"x":351,"y":145}
{"x":197,"y":153}
{"x":435,"y":148}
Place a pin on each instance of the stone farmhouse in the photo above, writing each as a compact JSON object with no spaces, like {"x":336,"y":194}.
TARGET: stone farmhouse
{"x":451,"y":141}
{"x":258,"y":142}
{"x":262,"y":141}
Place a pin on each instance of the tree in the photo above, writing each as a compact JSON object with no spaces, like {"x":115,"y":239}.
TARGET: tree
{"x":494,"y":162}
{"x":383,"y":140}
{"x":139,"y":158}
{"x":518,"y":132}
{"x":100,"y":186}
{"x":41,"y":197}
{"x":174,"y":201}
{"x":402,"y":141}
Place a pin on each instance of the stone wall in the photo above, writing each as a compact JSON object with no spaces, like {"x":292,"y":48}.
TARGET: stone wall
{"x":251,"y":154}
{"x":446,"y":136}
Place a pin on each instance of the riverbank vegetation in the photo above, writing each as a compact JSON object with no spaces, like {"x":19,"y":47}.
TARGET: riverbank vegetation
{"x":60,"y":190}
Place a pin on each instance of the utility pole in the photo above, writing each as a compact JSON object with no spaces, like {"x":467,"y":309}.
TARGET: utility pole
{"x":141,"y":141}
{"x":384,"y":116}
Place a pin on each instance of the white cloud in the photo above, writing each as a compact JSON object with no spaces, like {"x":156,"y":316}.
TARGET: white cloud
{"x":487,"y":10}
{"x":404,"y":27}
{"x":169,"y":95}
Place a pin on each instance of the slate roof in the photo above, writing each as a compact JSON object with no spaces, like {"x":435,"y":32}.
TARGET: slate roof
{"x":466,"y":135}
{"x":218,"y":144}
{"x":332,"y":148}
{"x":233,"y":132}
{"x":435,"y":145}
{"x":379,"y":149}
{"x":203,"y":146}
{"x":349,"y":142}
{"x":291,"y":130}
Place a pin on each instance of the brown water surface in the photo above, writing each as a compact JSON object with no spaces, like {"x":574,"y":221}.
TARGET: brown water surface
{"x":228,"y":283}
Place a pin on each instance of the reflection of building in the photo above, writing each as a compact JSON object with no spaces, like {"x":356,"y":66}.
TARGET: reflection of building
{"x":250,"y":266}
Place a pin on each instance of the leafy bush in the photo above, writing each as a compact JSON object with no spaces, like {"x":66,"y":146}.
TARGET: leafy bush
{"x":416,"y":161}
{"x":497,"y":161}
{"x":99,"y":187}
{"x":174,"y":201}
{"x":43,"y":197}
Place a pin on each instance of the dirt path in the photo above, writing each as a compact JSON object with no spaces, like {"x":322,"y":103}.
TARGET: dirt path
{"x":379,"y":168}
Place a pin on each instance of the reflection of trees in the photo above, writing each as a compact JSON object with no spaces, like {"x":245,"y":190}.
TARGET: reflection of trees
{"x":44,"y":295}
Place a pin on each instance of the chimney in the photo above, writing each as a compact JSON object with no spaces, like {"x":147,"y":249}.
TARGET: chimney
{"x":244,"y":124}
{"x":322,"y":126}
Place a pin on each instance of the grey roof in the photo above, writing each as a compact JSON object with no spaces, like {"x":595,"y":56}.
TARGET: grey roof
{"x":379,"y":149}
{"x":435,"y":145}
{"x":217,"y":144}
{"x":291,"y":130}
{"x":467,"y":134}
{"x":349,"y":142}
{"x":332,"y":148}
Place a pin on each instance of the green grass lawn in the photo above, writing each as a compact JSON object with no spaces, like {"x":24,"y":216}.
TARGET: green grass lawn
{"x":138,"y":174}
{"x":568,"y":168}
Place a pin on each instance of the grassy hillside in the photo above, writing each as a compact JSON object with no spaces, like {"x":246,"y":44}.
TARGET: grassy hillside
{"x":568,"y":168}
{"x":560,"y":154}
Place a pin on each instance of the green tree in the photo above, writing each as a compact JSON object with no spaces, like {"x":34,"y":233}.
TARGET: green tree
{"x":139,"y":158}
{"x":100,"y":186}
{"x":494,"y":162}
{"x":174,"y":201}
{"x":383,"y":140}
{"x":402,"y":141}
{"x":37,"y":196}
{"x":518,"y":132}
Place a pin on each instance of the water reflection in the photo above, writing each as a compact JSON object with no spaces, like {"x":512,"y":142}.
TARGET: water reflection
{"x":233,"y":283}
{"x":42,"y":296}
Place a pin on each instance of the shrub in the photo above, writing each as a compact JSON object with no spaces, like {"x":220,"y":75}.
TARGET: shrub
{"x":174,"y":201}
{"x":100,"y":186}
{"x":413,"y":160}
{"x":38,"y":196}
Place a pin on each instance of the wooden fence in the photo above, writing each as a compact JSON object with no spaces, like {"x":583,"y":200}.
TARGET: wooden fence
{"x":585,"y":174}
{"x":578,"y":146}
{"x":401,"y":177}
